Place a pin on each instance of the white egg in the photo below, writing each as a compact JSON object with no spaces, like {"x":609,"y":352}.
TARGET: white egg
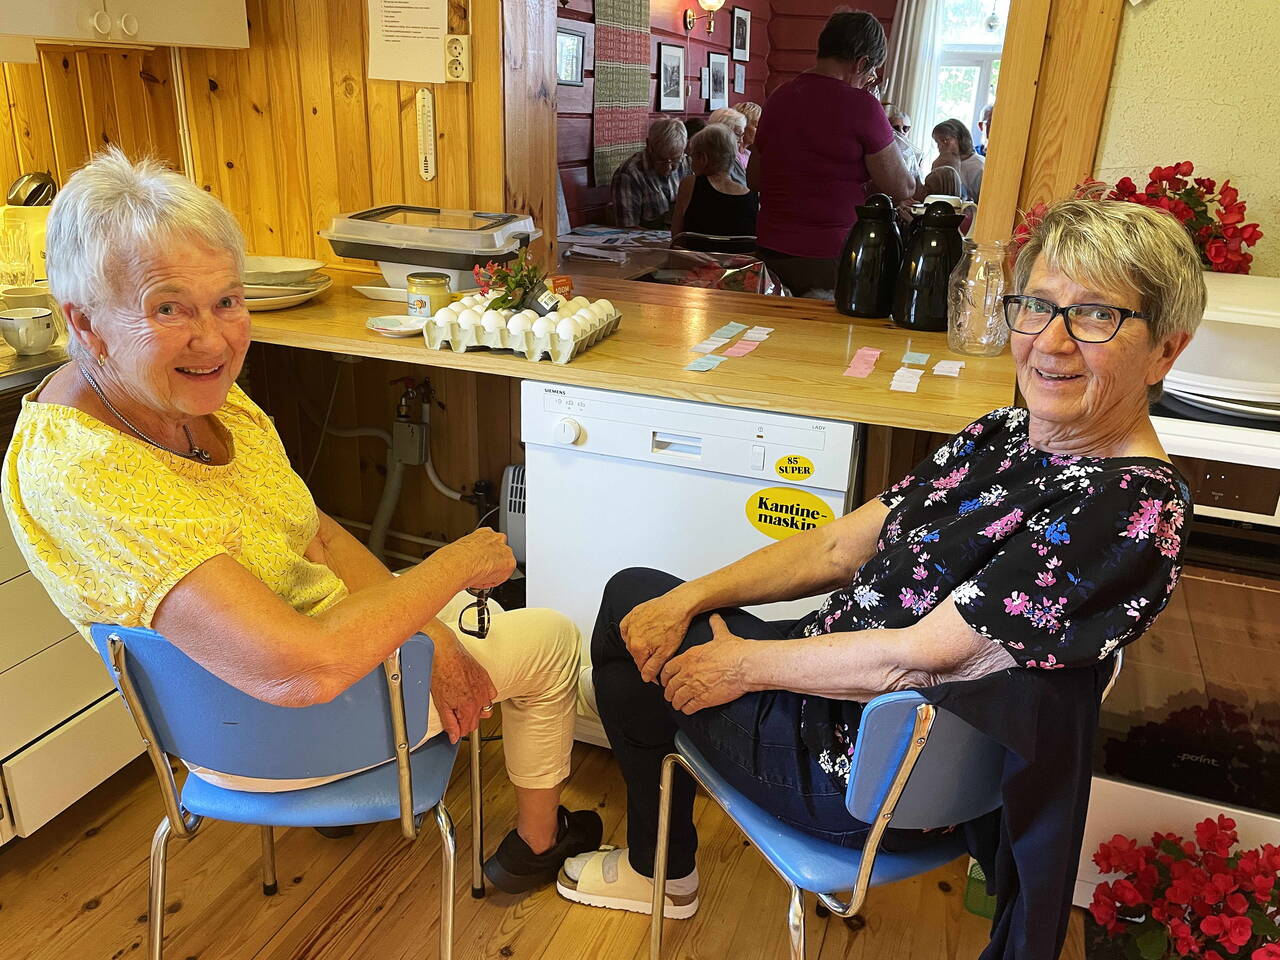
{"x":567,"y":328}
{"x":520,"y":323}
{"x":469,"y":317}
{"x":561,"y":300}
{"x":586,"y":321}
{"x":577,"y":303}
{"x":609,"y":309}
{"x":543,"y":325}
{"x":599,"y":311}
{"x":492,"y":321}
{"x":444,"y":315}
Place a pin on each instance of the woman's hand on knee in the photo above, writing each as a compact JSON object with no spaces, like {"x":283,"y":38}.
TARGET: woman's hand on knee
{"x":712,"y":673}
{"x":654,"y":630}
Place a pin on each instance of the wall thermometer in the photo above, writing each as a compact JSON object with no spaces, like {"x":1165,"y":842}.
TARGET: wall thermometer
{"x":426,"y":134}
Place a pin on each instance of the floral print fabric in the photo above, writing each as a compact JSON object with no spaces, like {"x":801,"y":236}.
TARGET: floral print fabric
{"x":1060,"y":559}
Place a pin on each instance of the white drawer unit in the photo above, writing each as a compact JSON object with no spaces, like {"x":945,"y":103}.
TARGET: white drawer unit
{"x":31,"y":622}
{"x":33,"y":705}
{"x":61,"y":767}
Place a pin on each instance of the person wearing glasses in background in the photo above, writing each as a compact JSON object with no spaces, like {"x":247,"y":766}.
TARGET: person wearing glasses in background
{"x":822,"y":138}
{"x":644,"y":186}
{"x":1041,"y":537}
{"x":901,"y":124}
{"x":146,"y":489}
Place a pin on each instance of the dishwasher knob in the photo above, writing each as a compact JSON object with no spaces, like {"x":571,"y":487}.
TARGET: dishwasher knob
{"x":568,"y":431}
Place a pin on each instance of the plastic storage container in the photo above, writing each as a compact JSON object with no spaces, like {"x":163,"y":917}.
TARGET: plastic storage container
{"x":405,"y":239}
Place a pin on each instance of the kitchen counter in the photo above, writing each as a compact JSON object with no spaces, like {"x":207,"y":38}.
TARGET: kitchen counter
{"x":16,"y":371}
{"x":797,"y":370}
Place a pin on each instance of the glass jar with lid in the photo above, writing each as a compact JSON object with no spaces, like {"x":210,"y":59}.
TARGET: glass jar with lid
{"x":427,"y":293}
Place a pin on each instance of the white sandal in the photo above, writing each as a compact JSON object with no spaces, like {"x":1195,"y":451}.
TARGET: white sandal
{"x":606,"y":879}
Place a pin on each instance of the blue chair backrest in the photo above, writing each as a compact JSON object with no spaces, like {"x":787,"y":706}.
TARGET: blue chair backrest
{"x":956,"y":777}
{"x":206,"y":721}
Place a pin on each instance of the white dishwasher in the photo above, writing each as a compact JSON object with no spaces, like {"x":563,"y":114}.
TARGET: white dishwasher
{"x":616,"y":480}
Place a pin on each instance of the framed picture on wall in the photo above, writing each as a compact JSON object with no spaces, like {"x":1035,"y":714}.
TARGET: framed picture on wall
{"x":741,"y":34}
{"x":718,"y":70}
{"x":571,"y":48}
{"x":671,"y":77}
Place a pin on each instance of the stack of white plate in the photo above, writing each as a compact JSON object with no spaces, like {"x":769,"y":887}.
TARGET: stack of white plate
{"x":1232,"y":365}
{"x":272,"y":283}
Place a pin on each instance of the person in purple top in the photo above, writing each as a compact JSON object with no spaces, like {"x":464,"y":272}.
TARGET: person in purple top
{"x":822,"y":138}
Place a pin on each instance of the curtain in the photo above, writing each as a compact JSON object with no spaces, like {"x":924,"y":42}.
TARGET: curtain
{"x":912,"y":65}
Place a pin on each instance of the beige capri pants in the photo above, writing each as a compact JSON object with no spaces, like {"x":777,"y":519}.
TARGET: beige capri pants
{"x":532,"y":658}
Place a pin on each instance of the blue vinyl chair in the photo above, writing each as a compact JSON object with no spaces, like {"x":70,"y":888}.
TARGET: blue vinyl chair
{"x":917,"y":766}
{"x":183,"y":710}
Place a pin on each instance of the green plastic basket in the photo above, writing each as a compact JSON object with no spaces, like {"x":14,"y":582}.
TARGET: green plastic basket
{"x":976,"y":899}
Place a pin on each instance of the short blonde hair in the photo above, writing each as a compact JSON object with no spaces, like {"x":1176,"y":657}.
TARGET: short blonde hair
{"x":716,"y":142}
{"x":749,"y":110}
{"x":731,"y":118}
{"x":1114,"y":245}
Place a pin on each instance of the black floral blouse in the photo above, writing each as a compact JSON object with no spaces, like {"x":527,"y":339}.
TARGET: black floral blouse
{"x":1059,"y":559}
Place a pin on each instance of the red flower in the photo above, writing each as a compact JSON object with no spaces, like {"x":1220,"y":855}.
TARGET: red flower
{"x":1261,"y":888}
{"x":1126,"y":893}
{"x":1216,"y":251}
{"x":1232,"y":932}
{"x":1268,"y":951}
{"x":1237,"y":904}
{"x":1103,"y":909}
{"x":1250,"y":234}
{"x":1205,"y":184}
{"x":1229,"y":194}
{"x":1125,"y":189}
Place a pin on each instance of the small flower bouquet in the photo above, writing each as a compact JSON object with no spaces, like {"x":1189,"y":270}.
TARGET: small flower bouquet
{"x":1183,"y":898}
{"x":516,"y":279}
{"x":1212,"y":214}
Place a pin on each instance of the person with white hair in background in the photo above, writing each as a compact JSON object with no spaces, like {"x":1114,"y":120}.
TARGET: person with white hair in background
{"x":752,"y":112}
{"x":901,"y":124}
{"x":710,"y":201}
{"x":644,"y":186}
{"x":736,"y":123}
{"x":146,"y":489}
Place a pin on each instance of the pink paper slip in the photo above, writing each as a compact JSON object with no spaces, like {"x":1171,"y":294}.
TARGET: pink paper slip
{"x":742,"y":348}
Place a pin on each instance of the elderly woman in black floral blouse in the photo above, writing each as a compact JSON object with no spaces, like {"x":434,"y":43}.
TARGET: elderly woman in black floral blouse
{"x":1038,"y":538}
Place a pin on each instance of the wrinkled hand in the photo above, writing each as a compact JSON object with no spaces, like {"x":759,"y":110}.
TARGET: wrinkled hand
{"x":460,"y":687}
{"x":709,"y":674}
{"x":482,"y":558}
{"x":653,"y":631}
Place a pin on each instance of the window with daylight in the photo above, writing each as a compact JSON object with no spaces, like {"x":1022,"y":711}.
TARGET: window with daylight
{"x":969,"y":40}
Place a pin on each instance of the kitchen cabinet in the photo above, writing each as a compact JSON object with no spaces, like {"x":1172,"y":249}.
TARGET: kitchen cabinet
{"x":200,"y":23}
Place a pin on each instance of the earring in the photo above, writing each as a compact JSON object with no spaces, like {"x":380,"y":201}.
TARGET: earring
{"x":102,"y":359}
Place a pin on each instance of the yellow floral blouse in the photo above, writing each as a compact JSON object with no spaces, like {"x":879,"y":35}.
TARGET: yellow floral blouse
{"x":109,"y":523}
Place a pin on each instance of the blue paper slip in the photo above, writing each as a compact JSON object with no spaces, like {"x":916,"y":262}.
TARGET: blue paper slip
{"x":730,"y":330}
{"x":703,"y":364}
{"x":911,"y":357}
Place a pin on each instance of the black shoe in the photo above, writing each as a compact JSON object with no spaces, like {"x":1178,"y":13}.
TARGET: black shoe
{"x":516,"y":869}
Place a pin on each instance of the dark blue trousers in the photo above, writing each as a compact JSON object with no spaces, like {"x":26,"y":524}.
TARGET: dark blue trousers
{"x":754,"y":742}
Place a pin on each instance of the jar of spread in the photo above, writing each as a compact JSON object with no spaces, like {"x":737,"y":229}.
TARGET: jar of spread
{"x":427,"y":293}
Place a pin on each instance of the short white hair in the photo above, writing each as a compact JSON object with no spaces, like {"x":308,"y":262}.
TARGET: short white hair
{"x":669,"y":133}
{"x":731,"y":118}
{"x":717,"y":143}
{"x":113,"y":211}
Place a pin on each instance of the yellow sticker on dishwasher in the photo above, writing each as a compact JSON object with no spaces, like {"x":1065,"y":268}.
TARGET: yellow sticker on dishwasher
{"x":794,"y":468}
{"x":781,"y":512}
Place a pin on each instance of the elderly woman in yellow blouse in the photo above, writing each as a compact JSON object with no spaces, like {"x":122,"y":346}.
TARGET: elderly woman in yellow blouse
{"x":146,"y":489}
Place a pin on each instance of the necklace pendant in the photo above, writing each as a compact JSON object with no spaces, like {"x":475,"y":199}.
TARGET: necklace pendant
{"x":199,"y":453}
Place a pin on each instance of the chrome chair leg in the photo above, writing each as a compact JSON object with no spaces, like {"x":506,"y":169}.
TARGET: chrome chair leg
{"x":448,"y":849}
{"x":660,"y":857}
{"x":155,"y":890}
{"x":269,"y":887}
{"x":795,"y":922}
{"x":477,"y":820}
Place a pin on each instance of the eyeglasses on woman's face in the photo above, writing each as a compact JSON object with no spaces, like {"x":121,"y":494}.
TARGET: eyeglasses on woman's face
{"x":903,"y":128}
{"x":1085,"y":322}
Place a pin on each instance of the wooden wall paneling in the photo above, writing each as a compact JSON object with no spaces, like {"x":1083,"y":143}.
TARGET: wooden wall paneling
{"x":263,"y":234}
{"x":66,"y":111}
{"x":350,"y":115}
{"x":229,"y":109}
{"x":131,"y":105}
{"x":1019,"y":80}
{"x":97,"y":98}
{"x":197,"y":66}
{"x":382,"y":108}
{"x":453,"y":138}
{"x":488,"y":147}
{"x":311,"y":24}
{"x":290,"y":159}
{"x":576,"y":100}
{"x":529,"y":35}
{"x":1070,"y":102}
{"x":573,"y":139}
{"x":30,"y":112}
{"x":9,"y":167}
{"x":162,"y":109}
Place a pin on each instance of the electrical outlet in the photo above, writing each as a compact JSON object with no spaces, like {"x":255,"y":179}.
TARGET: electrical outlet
{"x":457,"y":62}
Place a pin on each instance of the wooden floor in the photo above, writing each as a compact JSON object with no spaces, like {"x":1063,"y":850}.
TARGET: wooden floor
{"x":76,"y":890}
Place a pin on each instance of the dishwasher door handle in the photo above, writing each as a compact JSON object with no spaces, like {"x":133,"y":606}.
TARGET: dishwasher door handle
{"x":676,"y":445}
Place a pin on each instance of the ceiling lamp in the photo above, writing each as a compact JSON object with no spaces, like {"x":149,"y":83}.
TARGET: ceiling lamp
{"x":711,"y":6}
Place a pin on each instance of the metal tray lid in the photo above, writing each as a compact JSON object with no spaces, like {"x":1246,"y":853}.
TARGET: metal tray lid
{"x":404,"y":226}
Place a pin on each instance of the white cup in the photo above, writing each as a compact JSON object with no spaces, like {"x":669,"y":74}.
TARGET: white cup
{"x":29,"y":330}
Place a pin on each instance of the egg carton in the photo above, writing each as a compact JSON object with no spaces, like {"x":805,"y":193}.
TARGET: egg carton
{"x":534,"y":347}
